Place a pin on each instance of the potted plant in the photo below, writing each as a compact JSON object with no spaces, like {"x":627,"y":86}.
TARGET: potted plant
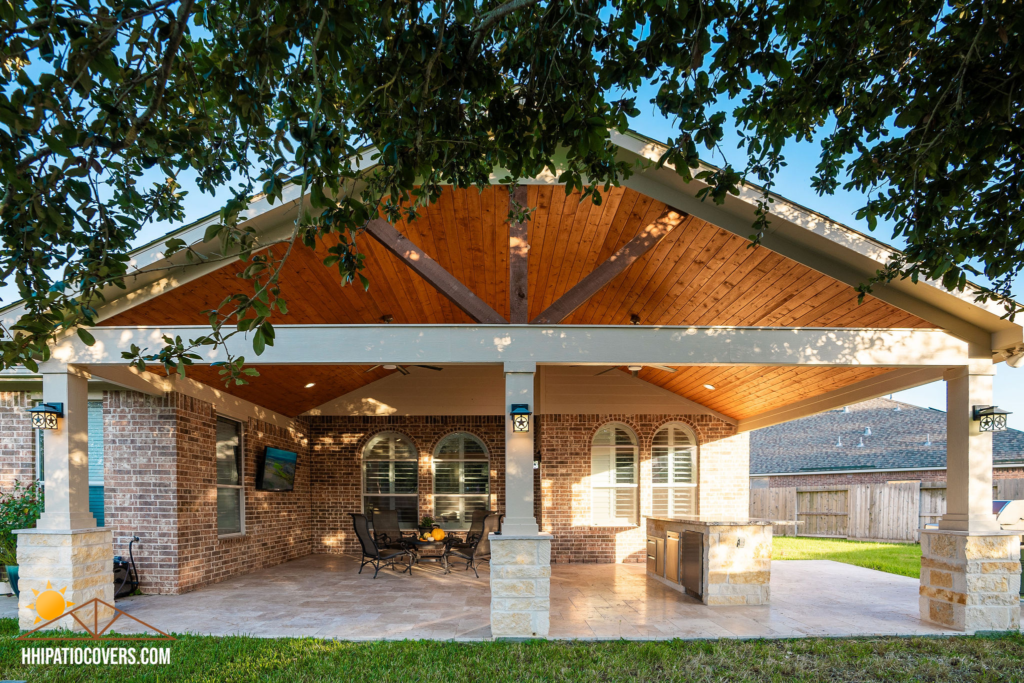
{"x":19,"y":509}
{"x":426,"y":525}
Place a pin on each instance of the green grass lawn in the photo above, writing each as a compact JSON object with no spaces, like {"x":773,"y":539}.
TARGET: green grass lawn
{"x":895,"y":558}
{"x":200,"y":659}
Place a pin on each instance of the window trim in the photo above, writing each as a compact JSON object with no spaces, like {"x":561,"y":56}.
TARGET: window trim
{"x":241,"y":477}
{"x":635,"y":486}
{"x":694,"y":471}
{"x":461,"y":460}
{"x":362,"y":471}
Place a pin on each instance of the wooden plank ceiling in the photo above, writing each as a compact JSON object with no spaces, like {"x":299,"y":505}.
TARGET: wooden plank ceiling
{"x":698,"y":275}
{"x":284,"y":387}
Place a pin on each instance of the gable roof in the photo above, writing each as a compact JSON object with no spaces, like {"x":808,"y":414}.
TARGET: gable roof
{"x":703,"y":273}
{"x":903,"y":436}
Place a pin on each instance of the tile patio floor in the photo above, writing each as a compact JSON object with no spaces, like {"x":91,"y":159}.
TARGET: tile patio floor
{"x":323,"y":596}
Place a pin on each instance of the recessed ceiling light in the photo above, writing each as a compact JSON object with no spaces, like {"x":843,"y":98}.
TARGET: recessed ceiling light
{"x":311,"y":384}
{"x":709,"y":387}
{"x":389,"y":367}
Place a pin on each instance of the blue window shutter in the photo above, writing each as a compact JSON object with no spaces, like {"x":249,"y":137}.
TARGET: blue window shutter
{"x":96,"y":503}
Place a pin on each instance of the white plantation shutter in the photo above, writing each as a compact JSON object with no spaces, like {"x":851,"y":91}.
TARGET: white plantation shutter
{"x":391,"y":477}
{"x":613,"y":477}
{"x":673,"y":470}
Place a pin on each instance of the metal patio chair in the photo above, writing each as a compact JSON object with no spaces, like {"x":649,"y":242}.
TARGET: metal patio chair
{"x":476,"y":527}
{"x":386,"y":531}
{"x":372,"y":553}
{"x":479,"y":550}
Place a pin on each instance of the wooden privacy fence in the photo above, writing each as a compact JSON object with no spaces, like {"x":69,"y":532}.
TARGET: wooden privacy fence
{"x":876,"y":512}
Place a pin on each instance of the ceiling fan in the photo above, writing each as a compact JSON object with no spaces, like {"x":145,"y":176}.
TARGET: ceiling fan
{"x":403,"y":368}
{"x":635,"y":369}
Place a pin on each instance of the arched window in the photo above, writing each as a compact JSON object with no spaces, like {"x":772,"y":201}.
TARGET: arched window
{"x":391,"y":477}
{"x":673,"y":470}
{"x":461,"y":480}
{"x":613,"y":477}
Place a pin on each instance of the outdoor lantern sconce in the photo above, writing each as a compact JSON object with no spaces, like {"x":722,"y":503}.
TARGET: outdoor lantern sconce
{"x":520,"y":417}
{"x":45,"y":415}
{"x":992,"y":419}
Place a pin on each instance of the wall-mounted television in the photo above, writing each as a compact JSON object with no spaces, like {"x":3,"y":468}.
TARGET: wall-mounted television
{"x":276,"y":471}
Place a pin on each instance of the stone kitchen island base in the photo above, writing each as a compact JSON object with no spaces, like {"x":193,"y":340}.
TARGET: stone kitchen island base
{"x":719,"y":563}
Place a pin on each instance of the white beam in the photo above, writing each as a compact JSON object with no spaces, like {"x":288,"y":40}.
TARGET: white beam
{"x":560,"y":344}
{"x":895,"y":380}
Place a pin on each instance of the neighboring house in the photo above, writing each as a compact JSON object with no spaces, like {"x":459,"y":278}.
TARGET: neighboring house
{"x":872,"y":442}
{"x":644,"y":334}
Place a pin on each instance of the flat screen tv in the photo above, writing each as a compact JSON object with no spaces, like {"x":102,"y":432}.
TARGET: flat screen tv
{"x":276,"y":472}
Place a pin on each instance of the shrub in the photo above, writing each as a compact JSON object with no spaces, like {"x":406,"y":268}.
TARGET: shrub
{"x":19,"y":509}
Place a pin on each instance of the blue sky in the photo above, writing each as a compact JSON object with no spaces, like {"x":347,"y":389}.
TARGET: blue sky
{"x":793,"y":183}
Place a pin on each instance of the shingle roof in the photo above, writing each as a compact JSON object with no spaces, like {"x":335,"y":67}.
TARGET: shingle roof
{"x":902,"y":436}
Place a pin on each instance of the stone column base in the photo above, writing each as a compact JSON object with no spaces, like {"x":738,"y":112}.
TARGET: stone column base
{"x":971,"y":582}
{"x":520,"y":586}
{"x":80,"y":562}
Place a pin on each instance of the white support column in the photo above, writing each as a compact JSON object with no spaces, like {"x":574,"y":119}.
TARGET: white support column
{"x":66,"y":552}
{"x":970,"y":570}
{"x":519,"y":519}
{"x":66,"y":453}
{"x":968,"y":451}
{"x":520,"y":556}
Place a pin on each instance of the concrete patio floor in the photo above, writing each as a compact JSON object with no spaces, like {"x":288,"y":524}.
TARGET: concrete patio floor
{"x":325,"y":597}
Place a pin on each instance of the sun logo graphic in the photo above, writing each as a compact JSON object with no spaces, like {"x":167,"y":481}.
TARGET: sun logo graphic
{"x":49,"y":603}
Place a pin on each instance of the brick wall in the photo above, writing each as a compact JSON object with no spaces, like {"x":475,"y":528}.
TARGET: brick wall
{"x":17,"y":446}
{"x":160,"y":474}
{"x":141,"y":483}
{"x":336,"y":454}
{"x":724,"y":488}
{"x":565,"y":444}
{"x":277,"y":524}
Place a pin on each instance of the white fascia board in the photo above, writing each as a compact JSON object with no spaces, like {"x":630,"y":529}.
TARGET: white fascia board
{"x":560,"y":344}
{"x":824,"y":245}
{"x":898,"y":379}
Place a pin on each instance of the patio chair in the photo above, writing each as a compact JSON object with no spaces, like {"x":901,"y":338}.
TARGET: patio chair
{"x":386,"y":531}
{"x":476,"y":527}
{"x":372,"y":553}
{"x":479,"y":550}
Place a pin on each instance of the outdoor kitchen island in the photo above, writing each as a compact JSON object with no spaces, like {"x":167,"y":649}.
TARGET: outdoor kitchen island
{"x":717,"y":562}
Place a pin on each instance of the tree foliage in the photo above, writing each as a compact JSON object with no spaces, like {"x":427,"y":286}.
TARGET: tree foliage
{"x":917,"y":103}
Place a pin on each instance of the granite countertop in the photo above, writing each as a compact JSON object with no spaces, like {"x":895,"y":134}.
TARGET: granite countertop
{"x":704,"y":522}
